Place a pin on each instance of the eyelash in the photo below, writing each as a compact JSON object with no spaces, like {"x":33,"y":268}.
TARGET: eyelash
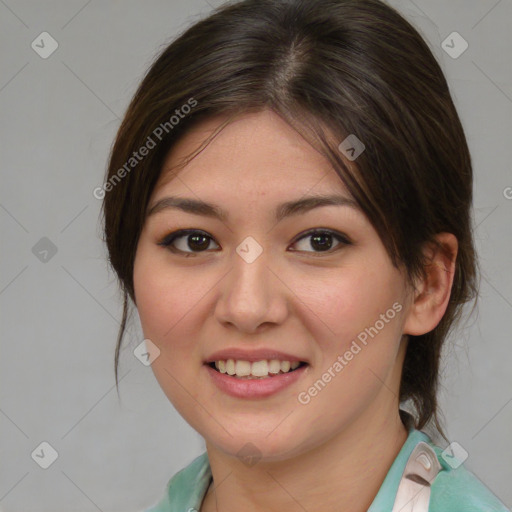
{"x":171,"y":237}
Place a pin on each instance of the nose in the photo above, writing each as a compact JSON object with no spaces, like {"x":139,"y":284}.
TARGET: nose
{"x":252,"y":296}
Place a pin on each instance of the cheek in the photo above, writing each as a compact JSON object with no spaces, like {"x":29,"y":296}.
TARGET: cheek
{"x":341,"y":304}
{"x":164,"y":295}
{"x":355,"y":364}
{"x":152,"y":296}
{"x":171,"y":306}
{"x":163,"y":303}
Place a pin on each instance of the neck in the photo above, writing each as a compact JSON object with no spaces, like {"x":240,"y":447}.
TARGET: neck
{"x":344,"y":473}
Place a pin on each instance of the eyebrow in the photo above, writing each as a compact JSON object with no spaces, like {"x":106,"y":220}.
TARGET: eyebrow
{"x":283,"y":210}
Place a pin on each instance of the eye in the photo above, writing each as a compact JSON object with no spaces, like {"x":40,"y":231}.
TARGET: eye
{"x":198,"y":241}
{"x":321,"y":239}
{"x":195,"y":239}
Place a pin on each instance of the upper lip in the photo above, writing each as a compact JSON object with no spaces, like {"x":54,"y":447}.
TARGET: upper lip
{"x":251,"y":355}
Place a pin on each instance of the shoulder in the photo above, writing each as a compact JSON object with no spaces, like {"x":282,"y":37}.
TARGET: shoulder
{"x":185,"y":490}
{"x":457,"y":489}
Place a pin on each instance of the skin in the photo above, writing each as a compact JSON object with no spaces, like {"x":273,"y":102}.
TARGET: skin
{"x":333,"y":452}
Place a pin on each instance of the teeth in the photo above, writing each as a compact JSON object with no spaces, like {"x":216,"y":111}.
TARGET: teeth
{"x":230,"y":367}
{"x":274,"y":366}
{"x":242,"y":368}
{"x":257,"y":369}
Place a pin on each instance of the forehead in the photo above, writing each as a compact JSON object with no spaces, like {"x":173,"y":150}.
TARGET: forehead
{"x":254,"y":154}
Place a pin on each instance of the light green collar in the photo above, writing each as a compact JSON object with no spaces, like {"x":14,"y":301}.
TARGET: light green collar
{"x":386,"y":496}
{"x":188,"y":487}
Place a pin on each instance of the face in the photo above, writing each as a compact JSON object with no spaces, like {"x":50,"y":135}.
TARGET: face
{"x":315,"y":284}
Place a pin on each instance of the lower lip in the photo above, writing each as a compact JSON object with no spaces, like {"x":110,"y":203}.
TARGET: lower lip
{"x":254,"y":388}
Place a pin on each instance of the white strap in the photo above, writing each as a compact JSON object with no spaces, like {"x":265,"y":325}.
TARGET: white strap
{"x":413,"y":493}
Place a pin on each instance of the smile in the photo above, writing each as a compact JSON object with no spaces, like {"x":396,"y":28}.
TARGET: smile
{"x":251,"y":386}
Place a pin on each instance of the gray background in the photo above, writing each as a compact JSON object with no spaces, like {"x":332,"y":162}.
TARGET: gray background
{"x":59,"y":317}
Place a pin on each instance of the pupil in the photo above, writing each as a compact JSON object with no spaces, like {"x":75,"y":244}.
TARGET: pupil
{"x":319,"y":245}
{"x":194,"y":239}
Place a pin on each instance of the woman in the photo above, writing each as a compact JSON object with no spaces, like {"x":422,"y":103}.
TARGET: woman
{"x":288,"y":207}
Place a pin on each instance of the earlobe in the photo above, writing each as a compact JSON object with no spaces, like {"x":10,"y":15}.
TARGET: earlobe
{"x":432,"y":293}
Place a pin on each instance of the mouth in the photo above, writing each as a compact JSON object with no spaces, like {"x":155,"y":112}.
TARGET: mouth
{"x":263,"y":369}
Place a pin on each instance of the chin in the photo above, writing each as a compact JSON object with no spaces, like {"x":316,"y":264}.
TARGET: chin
{"x":251,"y":447}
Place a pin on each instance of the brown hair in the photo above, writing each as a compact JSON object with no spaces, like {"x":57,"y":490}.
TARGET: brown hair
{"x":330,"y":68}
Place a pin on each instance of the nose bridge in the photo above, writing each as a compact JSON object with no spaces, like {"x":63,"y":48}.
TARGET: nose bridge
{"x":250,"y":294}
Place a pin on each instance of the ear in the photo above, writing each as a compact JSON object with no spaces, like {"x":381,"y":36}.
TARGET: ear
{"x":432,"y":294}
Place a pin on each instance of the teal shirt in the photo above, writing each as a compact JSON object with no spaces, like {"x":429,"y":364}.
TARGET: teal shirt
{"x":453,"y":490}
